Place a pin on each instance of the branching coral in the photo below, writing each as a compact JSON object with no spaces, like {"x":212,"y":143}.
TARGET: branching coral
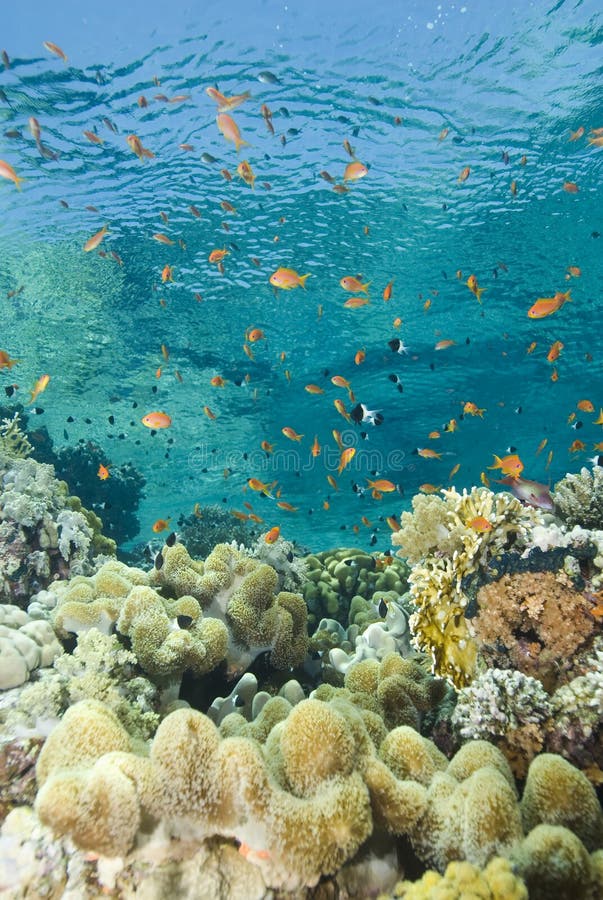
{"x":446,"y":541}
{"x":507,"y":708}
{"x":579,"y":498}
{"x":13,"y":441}
{"x":533,"y":622}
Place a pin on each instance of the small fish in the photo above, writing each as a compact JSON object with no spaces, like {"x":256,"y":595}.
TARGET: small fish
{"x":428,"y":453}
{"x":245,"y":172}
{"x":135,"y":145}
{"x":194,"y":211}
{"x":167,"y":274}
{"x":397,"y":346}
{"x":349,"y":283}
{"x":39,"y":387}
{"x":584,"y":405}
{"x":291,"y":433}
{"x":345,"y":458}
{"x":313,"y":389}
{"x":388,"y":290}
{"x":217,"y":256}
{"x":574,"y":271}
{"x":324,"y":174}
{"x":271,"y":536}
{"x":163,"y":239}
{"x":443,"y":134}
{"x":474,"y":288}
{"x":359,"y":357}
{"x":570,"y":187}
{"x":513,"y":188}
{"x":554,"y":351}
{"x":464,"y":174}
{"x":453,"y":471}
{"x":208,"y":158}
{"x":381,"y":485}
{"x":443,"y":345}
{"x":53,"y":48}
{"x":262,"y":487}
{"x":103,"y":473}
{"x":354,"y":170}
{"x":361,"y":413}
{"x":533,"y":493}
{"x":531,"y":348}
{"x":472,"y":409}
{"x":92,"y":137}
{"x":7,"y":171}
{"x":429,"y":488}
{"x":268,"y":78}
{"x":156,"y":420}
{"x":93,"y":242}
{"x":161,"y":525}
{"x":340,"y":407}
{"x":267,"y":447}
{"x":5,"y":59}
{"x":546,"y":306}
{"x":576,"y":135}
{"x":208,"y":412}
{"x":480,"y":524}
{"x":315,"y":448}
{"x":6,"y":362}
{"x":541,"y":446}
{"x":577,"y":446}
{"x":509,"y":465}
{"x":230,"y":130}
{"x":283,"y":504}
{"x":287,"y":279}
{"x":356,"y":302}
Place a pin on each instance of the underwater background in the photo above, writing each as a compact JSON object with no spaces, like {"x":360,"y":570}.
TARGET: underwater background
{"x":422,"y":92}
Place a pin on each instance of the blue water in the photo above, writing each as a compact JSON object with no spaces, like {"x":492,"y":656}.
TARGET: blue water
{"x":506,"y":83}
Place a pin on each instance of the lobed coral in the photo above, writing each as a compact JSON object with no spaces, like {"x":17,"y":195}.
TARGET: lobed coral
{"x":461,"y":880}
{"x":579,"y":498}
{"x":534,"y":622}
{"x":446,"y":550}
{"x":305,"y":792}
{"x":341,"y":579}
{"x":25,"y":645}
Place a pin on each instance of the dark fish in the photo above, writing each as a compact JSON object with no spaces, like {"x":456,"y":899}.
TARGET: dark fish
{"x":268,"y":78}
{"x":238,"y":701}
{"x":3,"y":96}
{"x":70,"y":419}
{"x":110,"y":125}
{"x":13,"y":133}
{"x":344,"y":120}
{"x":208,"y":158}
{"x":382,"y":608}
{"x":5,"y":59}
{"x":505,"y":157}
{"x":184,"y":621}
{"x":9,"y":390}
{"x":64,"y":204}
{"x":284,"y":111}
{"x":293,"y":131}
{"x":356,"y":131}
{"x":374,"y":101}
{"x":111,"y":420}
{"x":457,"y":139}
{"x":170,"y":539}
{"x":159,"y":560}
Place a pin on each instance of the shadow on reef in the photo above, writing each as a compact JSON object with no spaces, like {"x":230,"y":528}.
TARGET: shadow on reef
{"x":115,"y":500}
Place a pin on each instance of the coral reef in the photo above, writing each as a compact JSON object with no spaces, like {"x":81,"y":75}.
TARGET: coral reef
{"x":507,"y":708}
{"x":461,"y":880}
{"x":302,"y":796}
{"x":340,"y":580}
{"x":25,"y":645}
{"x":291,"y":569}
{"x":13,"y":441}
{"x":44,"y":533}
{"x":447,"y":542}
{"x":115,"y":499}
{"x":577,"y":713}
{"x":100,"y":668}
{"x":579,"y":498}
{"x":533,"y":622}
{"x":213,"y":525}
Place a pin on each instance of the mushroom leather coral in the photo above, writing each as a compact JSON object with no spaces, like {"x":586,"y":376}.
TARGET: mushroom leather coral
{"x":304,"y":800}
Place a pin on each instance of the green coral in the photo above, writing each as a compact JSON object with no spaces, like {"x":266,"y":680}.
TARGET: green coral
{"x":13,"y":441}
{"x":445,"y":549}
{"x":579,"y":498}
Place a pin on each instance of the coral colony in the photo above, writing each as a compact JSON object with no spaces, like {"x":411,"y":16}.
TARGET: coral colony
{"x":396,"y":726}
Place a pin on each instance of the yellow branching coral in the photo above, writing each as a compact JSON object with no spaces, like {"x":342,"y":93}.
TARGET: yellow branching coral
{"x":448,"y":539}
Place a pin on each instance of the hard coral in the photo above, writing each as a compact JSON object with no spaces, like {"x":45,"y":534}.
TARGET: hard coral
{"x":461,"y":880}
{"x":579,"y":498}
{"x":13,"y":441}
{"x":25,"y":645}
{"x":446,"y":550}
{"x":534,"y":622}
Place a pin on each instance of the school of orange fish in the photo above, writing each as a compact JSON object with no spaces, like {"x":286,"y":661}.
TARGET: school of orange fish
{"x":358,"y":290}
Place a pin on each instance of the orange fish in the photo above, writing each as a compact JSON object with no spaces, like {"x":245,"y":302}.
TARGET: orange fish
{"x":473,"y":287}
{"x":571,"y":187}
{"x":267,"y":447}
{"x":541,"y":445}
{"x":217,"y":381}
{"x":546,"y":306}
{"x":313,"y":389}
{"x":480,"y":524}
{"x":388,"y":290}
{"x":576,"y":135}
{"x":135,"y":145}
{"x":271,"y":536}
{"x":429,"y":488}
{"x":245,"y":171}
{"x":315,"y":449}
{"x":39,"y":387}
{"x":195,"y":212}
{"x":574,"y":271}
{"x":484,"y":479}
{"x":337,"y":438}
{"x":472,"y":409}
{"x":359,"y":357}
{"x":92,"y":137}
{"x":513,"y":188}
{"x":103,"y":472}
{"x":356,"y":302}
{"x":332,"y":482}
{"x":156,"y":420}
{"x":599,"y":421}
{"x":443,"y":345}
{"x":167,"y":273}
{"x":291,"y":433}
{"x":382,"y":485}
{"x":282,"y":504}
{"x":209,"y":413}
{"x":6,"y":362}
{"x":427,"y":453}
{"x":287,"y":279}
{"x":229,"y":128}
{"x":161,"y":525}
{"x":584,"y":405}
{"x":393,"y":523}
{"x":443,"y":134}
{"x":54,"y":48}
{"x":509,"y":465}
{"x":532,"y":347}
{"x":340,"y":407}
{"x":345,"y":459}
{"x":434,"y":435}
{"x":267,"y":114}
{"x":577,"y":446}
{"x":555,"y":350}
{"x":163,"y":239}
{"x":217,"y":256}
{"x":454,"y":470}
{"x":93,"y":242}
{"x":354,"y":170}
{"x":464,"y":174}
{"x":349,"y":283}
{"x":7,"y":171}
{"x":261,"y":486}
{"x":225,"y":103}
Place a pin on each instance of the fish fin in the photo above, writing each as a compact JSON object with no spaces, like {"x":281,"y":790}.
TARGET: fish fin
{"x":302,"y":279}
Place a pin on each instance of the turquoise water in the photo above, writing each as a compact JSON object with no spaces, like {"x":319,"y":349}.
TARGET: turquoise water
{"x":388,"y":78}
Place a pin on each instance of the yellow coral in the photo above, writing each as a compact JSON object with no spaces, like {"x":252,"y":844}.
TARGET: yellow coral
{"x":463,"y":881}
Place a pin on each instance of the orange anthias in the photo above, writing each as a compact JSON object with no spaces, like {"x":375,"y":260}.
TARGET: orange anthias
{"x":509,"y":465}
{"x":546,"y":306}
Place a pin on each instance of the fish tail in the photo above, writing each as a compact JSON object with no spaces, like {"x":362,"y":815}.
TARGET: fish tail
{"x":302,"y":279}
{"x":241,"y":142}
{"x":568,"y":296}
{"x":498,"y":462}
{"x":478,"y":294}
{"x":364,"y":287}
